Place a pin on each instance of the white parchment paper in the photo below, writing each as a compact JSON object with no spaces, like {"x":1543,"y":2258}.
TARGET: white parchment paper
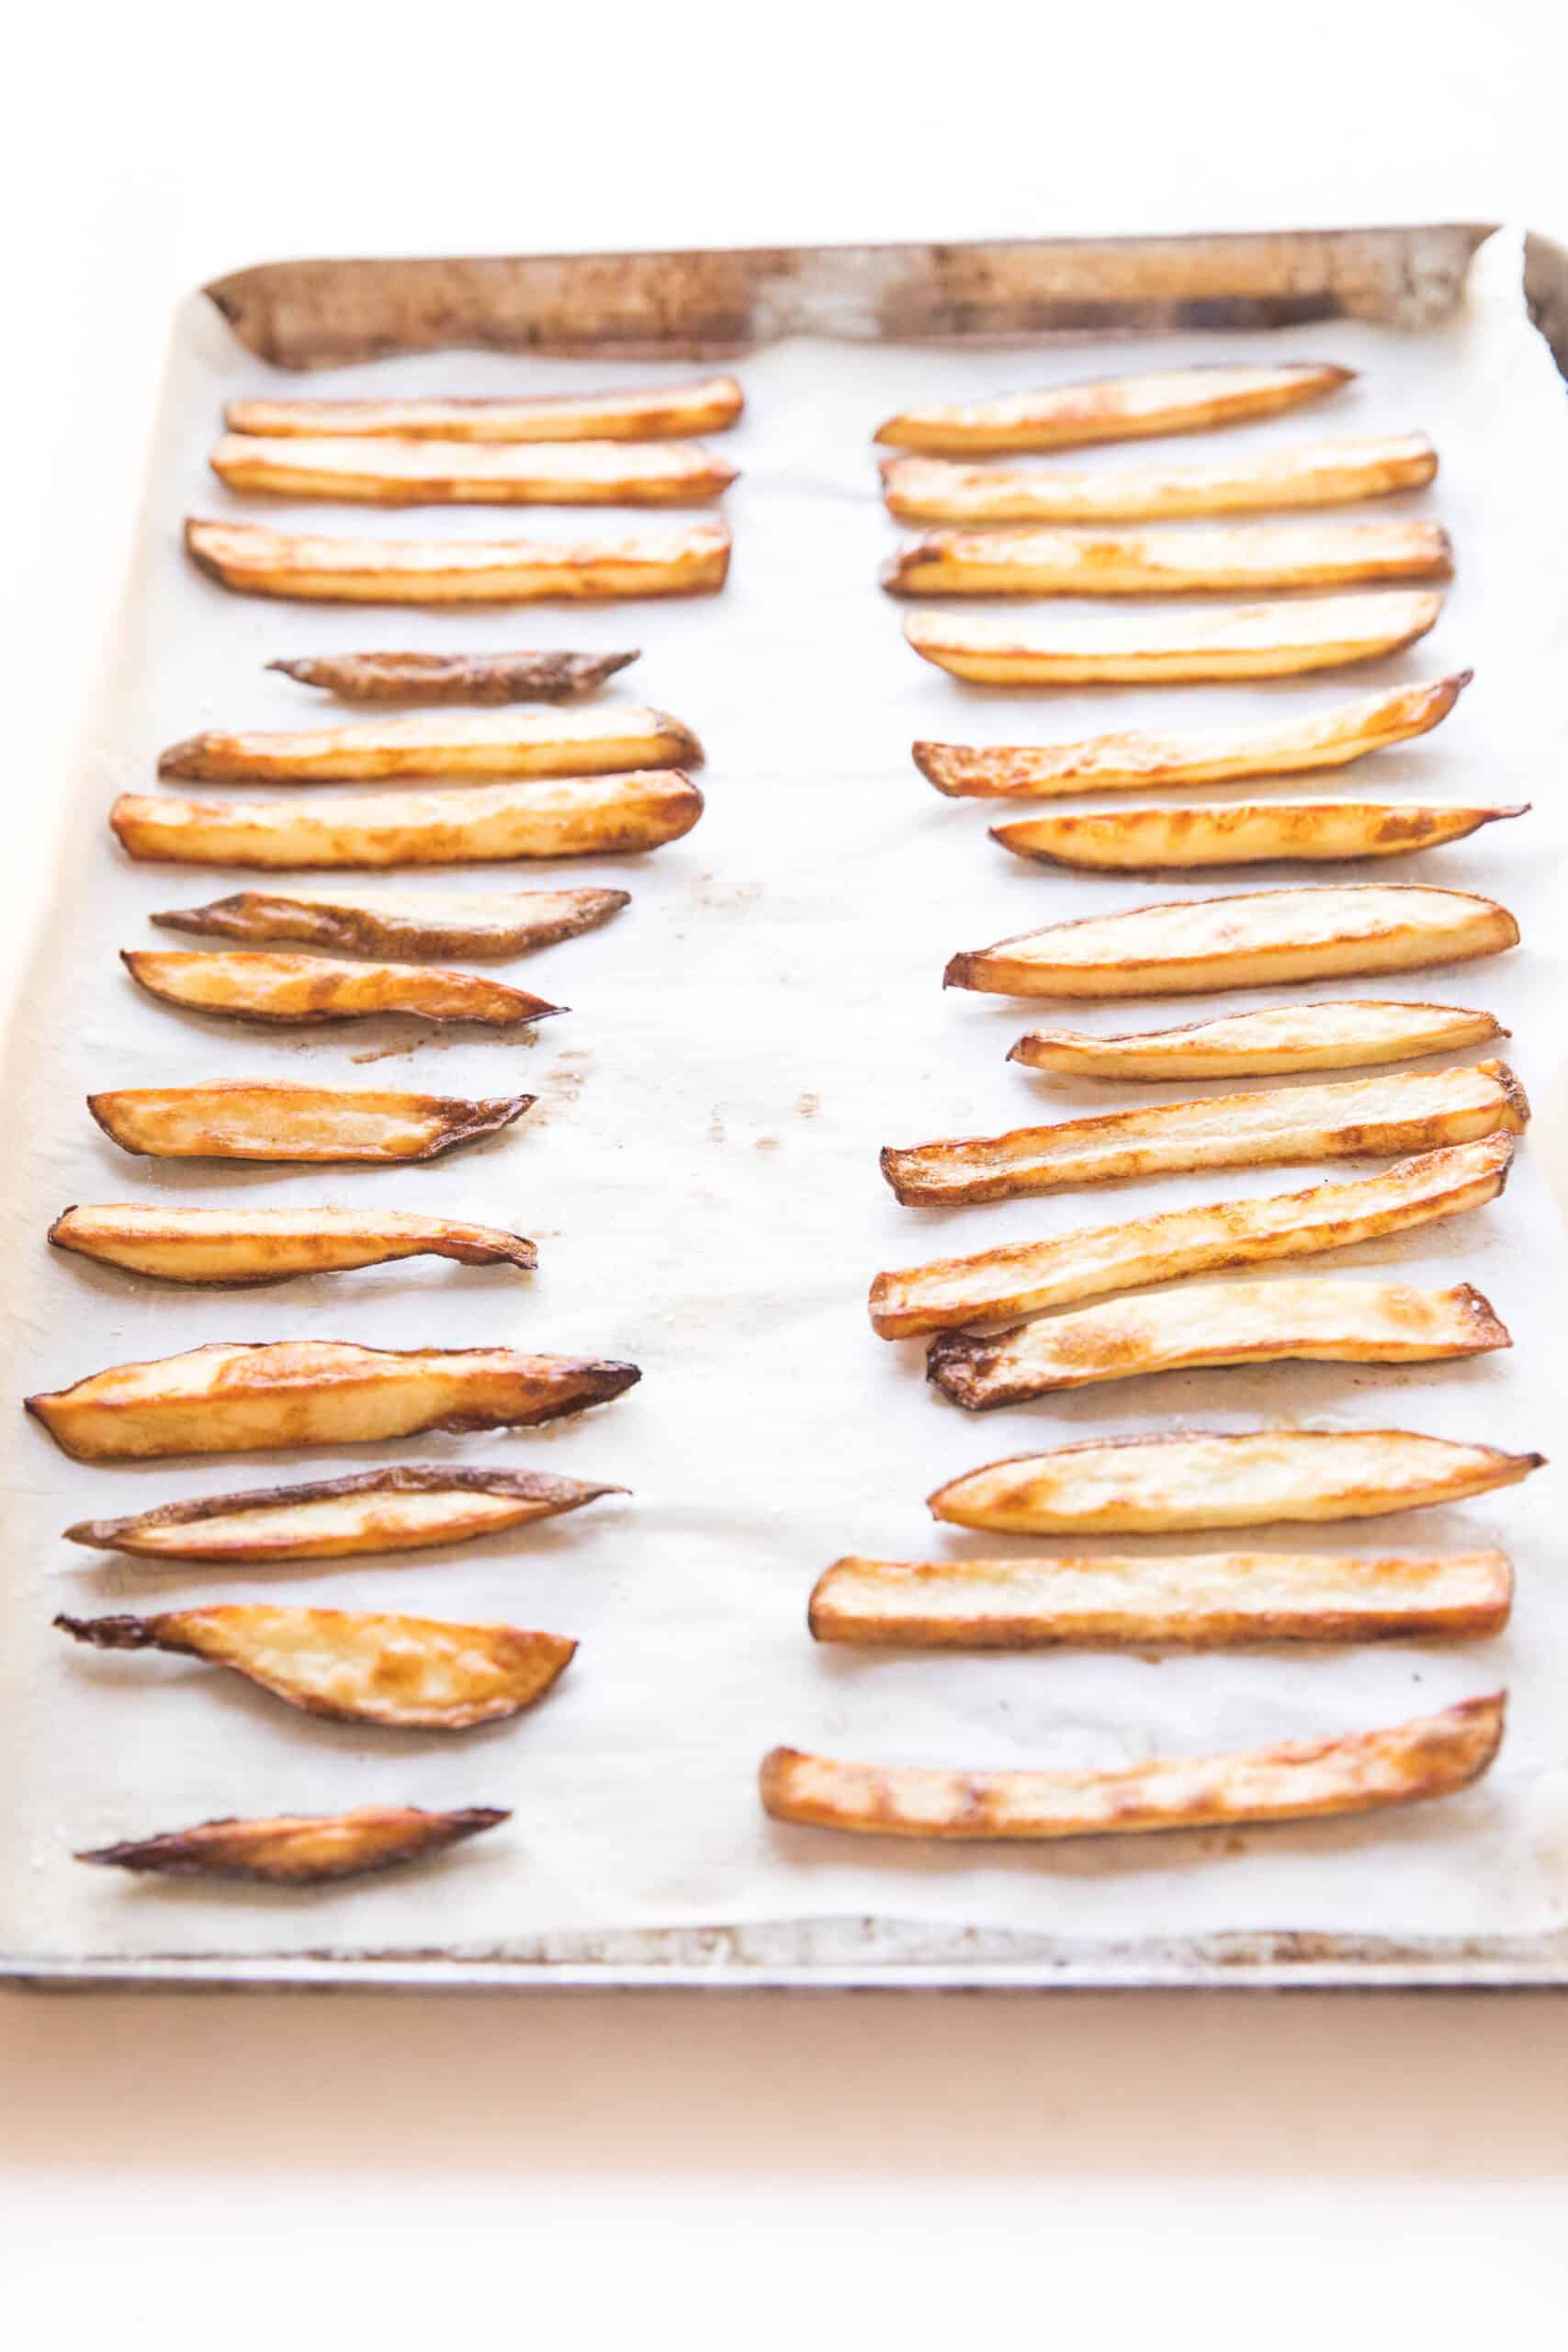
{"x":701,"y":1176}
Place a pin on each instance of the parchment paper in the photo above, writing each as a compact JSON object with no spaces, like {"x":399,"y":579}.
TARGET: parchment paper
{"x":701,"y":1176}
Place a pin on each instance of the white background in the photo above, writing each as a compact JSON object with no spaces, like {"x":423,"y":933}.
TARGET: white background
{"x":1214,"y":2170}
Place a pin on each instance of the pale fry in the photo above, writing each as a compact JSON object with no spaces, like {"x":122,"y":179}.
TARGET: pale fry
{"x":303,"y":991}
{"x":1361,"y":1118}
{"x":1191,"y":559}
{"x":1182,"y":645}
{"x":1204,"y":1325}
{"x":254,"y":1119}
{"x":1431,"y":1755}
{"x":690,"y":560}
{"x":1134,"y":762}
{"x":455,"y":677}
{"x":408,"y":1673}
{"x":1221,"y":1601}
{"x":434,"y":923}
{"x":1319,"y":473}
{"x":1027,"y":1277}
{"x":408,"y":471}
{"x":1271,"y":1044}
{"x":1198,"y":946}
{"x":1115,"y":407}
{"x":334,"y":1518}
{"x":486,"y":824}
{"x":234,"y":1247}
{"x":293,"y":1849}
{"x":1243,"y":833}
{"x":636,"y":412}
{"x":234,"y":1398}
{"x":601,"y":739}
{"x":1184,"y":1479}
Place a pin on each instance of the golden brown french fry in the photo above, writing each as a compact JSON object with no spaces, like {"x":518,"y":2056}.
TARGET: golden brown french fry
{"x":1199,"y":558}
{"x":408,"y":471}
{"x":303,"y":991}
{"x":1196,"y":1478}
{"x":595,"y":741}
{"x":1243,"y":833}
{"x":1115,"y":407}
{"x":635,"y":413}
{"x":1026,"y":1277}
{"x":254,"y":1119}
{"x":1317,"y":473}
{"x":1270,"y":641}
{"x":334,"y":1518}
{"x":1282,"y":1038}
{"x":690,"y":560}
{"x":1196,"y":946}
{"x":449,"y":923}
{"x":411,"y":1673}
{"x":1189,"y":755}
{"x":1202,"y":1326}
{"x":295,"y":1849}
{"x":1301,"y":1780}
{"x":1360,"y":1118}
{"x":234,"y":1247}
{"x":232,"y":1398}
{"x":1221,"y":1601}
{"x":485,"y":824}
{"x":455,"y":677}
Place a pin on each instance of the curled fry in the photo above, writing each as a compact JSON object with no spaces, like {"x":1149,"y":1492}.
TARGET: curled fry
{"x":235,"y":1248}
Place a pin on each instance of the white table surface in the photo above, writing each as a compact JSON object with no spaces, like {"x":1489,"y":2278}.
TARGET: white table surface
{"x":1221,"y":2169}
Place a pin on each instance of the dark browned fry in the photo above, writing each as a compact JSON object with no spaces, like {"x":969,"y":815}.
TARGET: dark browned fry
{"x":428,"y":923}
{"x":455,"y":677}
{"x":294,"y":1850}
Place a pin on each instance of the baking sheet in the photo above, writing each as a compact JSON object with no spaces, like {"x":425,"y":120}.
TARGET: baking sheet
{"x":701,"y":1176}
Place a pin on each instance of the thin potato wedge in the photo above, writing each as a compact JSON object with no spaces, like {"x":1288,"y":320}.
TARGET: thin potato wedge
{"x":1243,"y":833}
{"x":1280,"y":639}
{"x":486,"y":824}
{"x":254,"y":1119}
{"x":1359,"y":1119}
{"x":1026,"y":1277}
{"x":455,"y":677}
{"x":1319,"y":473}
{"x":1203,"y":1326}
{"x":1283,"y":1038}
{"x":303,"y":991}
{"x":1222,"y":1600}
{"x":1133,"y":762}
{"x":424,"y":924}
{"x":1199,"y":558}
{"x":597,"y":742}
{"x":1115,"y":407}
{"x":1301,"y":1780}
{"x":408,"y":1673}
{"x":232,"y":1398}
{"x":235,"y":1248}
{"x":408,"y":471}
{"x":294,"y":1850}
{"x":636,"y":412}
{"x":688,"y":560}
{"x":336,"y":1519}
{"x":1198,"y":946}
{"x":1197,"y":1478}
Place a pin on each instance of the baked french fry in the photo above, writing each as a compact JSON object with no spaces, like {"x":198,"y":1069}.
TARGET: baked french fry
{"x":1203,"y":1326}
{"x":405,"y":471}
{"x":408,"y":1673}
{"x":636,"y":413}
{"x":1197,"y":946}
{"x":1196,"y":1478}
{"x":235,"y":1248}
{"x":252,"y":1119}
{"x":1361,"y":1118}
{"x":1026,"y":1277}
{"x":449,"y":923}
{"x":1317,"y":473}
{"x":1283,"y":1038}
{"x":1243,"y":833}
{"x":294,"y":1850}
{"x":690,"y":560}
{"x":1198,"y":557}
{"x":1301,"y":1780}
{"x":1189,"y":646}
{"x":303,"y":991}
{"x":455,"y":677}
{"x":601,"y":740}
{"x":1136,"y":761}
{"x":336,"y":1519}
{"x":484,"y":824}
{"x":234,"y":1398}
{"x":1222,"y":1600}
{"x":1115,"y":407}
